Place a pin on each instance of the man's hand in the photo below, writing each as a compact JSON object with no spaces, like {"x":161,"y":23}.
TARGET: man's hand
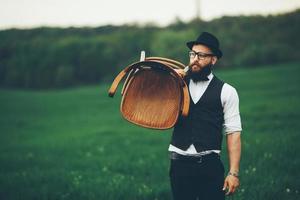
{"x":181,"y":72}
{"x":231,"y":183}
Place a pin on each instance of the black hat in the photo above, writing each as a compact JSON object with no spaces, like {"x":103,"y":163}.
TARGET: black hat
{"x":208,"y":40}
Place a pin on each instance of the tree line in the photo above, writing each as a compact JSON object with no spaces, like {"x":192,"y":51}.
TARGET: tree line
{"x":47,"y":57}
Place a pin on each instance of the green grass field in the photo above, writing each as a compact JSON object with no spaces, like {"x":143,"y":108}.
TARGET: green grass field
{"x":74,"y":144}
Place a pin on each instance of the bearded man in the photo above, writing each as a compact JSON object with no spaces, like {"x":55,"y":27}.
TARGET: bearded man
{"x":196,"y":170}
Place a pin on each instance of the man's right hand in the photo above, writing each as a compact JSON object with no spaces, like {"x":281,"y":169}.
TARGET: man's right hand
{"x":181,"y":72}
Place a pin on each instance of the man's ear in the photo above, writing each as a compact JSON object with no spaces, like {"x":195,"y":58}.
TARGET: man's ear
{"x":214,"y":60}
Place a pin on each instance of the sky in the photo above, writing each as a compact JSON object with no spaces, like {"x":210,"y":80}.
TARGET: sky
{"x":78,"y":13}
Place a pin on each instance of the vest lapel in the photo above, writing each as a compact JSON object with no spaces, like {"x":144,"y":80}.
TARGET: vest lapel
{"x":208,"y":87}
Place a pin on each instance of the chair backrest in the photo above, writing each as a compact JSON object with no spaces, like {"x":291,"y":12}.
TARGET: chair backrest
{"x":154,"y":94}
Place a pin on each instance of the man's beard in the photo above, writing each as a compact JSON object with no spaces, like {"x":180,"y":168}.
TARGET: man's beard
{"x":199,"y":75}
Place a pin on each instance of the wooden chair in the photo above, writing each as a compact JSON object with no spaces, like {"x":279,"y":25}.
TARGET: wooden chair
{"x":154,"y":95}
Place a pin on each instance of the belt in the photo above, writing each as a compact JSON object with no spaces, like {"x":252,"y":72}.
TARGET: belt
{"x":197,"y":159}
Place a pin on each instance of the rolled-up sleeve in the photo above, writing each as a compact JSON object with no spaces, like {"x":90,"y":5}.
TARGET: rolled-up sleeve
{"x":230,"y":102}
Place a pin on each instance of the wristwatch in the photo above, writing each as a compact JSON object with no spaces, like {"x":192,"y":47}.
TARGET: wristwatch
{"x":235,"y":174}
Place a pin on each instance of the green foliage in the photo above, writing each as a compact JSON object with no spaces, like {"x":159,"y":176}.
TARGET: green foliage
{"x":55,"y":57}
{"x":172,"y":44}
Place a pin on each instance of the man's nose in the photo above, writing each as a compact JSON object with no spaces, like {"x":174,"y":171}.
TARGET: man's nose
{"x":195,"y":59}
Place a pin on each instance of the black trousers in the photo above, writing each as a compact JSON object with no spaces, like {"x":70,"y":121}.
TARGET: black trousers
{"x":191,"y":180}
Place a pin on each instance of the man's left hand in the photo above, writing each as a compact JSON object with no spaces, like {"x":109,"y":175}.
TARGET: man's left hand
{"x":231,"y":183}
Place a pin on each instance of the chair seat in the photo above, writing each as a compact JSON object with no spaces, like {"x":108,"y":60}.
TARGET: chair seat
{"x":152,"y":99}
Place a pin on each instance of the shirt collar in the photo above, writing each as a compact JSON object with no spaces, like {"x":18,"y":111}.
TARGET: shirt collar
{"x":210,"y":76}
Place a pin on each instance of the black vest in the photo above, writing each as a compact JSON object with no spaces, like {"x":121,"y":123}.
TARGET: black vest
{"x":203,"y":126}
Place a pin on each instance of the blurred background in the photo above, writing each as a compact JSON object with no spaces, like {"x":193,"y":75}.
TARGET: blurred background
{"x":61,"y":137}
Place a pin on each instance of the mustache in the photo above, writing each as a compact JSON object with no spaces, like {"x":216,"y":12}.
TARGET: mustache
{"x":193,"y":63}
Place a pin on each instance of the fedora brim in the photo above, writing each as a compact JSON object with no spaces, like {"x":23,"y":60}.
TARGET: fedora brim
{"x":216,"y":51}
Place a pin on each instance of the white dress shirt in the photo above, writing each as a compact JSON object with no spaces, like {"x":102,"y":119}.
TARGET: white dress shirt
{"x":230,"y":103}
